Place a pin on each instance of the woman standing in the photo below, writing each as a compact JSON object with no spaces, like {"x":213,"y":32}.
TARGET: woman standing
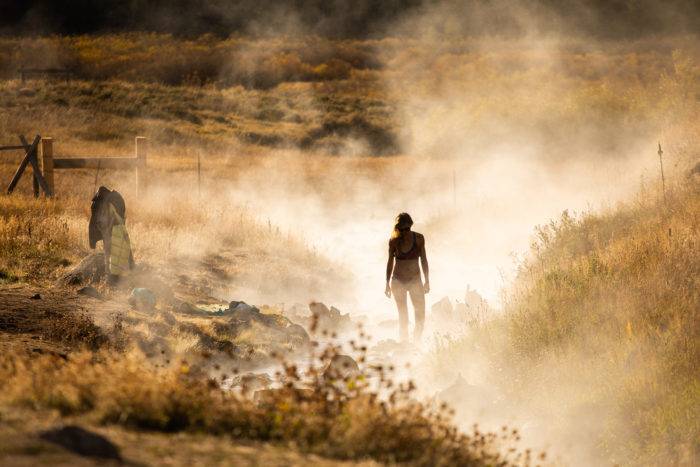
{"x":403,"y":274}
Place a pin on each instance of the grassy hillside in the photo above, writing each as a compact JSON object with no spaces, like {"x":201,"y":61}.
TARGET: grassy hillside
{"x":224,"y":98}
{"x":616,"y":295}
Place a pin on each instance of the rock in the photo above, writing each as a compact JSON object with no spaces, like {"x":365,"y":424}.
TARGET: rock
{"x":251,"y":382}
{"x":264,"y":329}
{"x":168,"y":318}
{"x":442,"y":310}
{"x":328,"y":319}
{"x":36,"y":296}
{"x":185,"y":308}
{"x":298,"y":313}
{"x":89,"y":271}
{"x":90,"y":292}
{"x":83,"y":442}
{"x":242,"y":308}
{"x":142,"y":299}
{"x":297,"y":331}
{"x":147,"y":278}
{"x":341,"y":367}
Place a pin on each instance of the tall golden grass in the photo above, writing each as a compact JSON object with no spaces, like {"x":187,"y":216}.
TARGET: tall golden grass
{"x":621,"y":289}
{"x":601,"y":327}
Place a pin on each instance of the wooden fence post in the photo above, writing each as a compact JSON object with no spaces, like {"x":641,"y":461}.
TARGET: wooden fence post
{"x":47,"y":163}
{"x":141,"y":151}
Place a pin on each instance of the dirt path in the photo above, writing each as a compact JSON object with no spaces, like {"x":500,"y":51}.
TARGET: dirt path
{"x":21,"y":445}
{"x":50,"y":319}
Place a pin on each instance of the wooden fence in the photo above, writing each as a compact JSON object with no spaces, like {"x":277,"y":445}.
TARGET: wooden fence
{"x":30,"y":158}
{"x":44,"y":175}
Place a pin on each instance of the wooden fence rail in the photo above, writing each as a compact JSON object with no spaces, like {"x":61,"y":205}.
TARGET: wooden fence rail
{"x":39,"y":154}
{"x":30,"y":158}
{"x":138,"y":162}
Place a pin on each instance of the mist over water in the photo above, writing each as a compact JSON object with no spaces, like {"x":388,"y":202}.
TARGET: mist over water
{"x":477,"y":218}
{"x":482,"y":162}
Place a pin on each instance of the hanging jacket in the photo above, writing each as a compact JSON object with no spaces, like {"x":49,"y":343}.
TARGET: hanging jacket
{"x":113,"y":197}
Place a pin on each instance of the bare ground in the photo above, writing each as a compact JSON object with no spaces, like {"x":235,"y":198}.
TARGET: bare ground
{"x":51,"y":319}
{"x":57,"y":320}
{"x":21,"y":445}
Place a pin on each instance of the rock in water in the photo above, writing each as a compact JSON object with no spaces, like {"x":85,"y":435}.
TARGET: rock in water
{"x":264,"y":329}
{"x":142,"y":299}
{"x":442,"y":310}
{"x":252,"y":382}
{"x":328,"y":319}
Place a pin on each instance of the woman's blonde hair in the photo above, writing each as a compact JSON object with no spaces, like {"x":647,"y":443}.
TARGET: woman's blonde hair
{"x":403,"y":220}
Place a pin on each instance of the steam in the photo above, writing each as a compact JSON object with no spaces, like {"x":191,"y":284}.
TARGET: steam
{"x":497,"y":136}
{"x":504,"y":119}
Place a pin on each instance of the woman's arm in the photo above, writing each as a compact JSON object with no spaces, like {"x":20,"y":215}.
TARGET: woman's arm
{"x":424,"y":266}
{"x":389,"y":270}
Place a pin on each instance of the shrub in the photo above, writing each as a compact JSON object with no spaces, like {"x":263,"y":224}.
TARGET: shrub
{"x":338,"y":418}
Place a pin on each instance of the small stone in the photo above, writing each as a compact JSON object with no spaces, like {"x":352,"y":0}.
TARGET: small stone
{"x":83,"y":442}
{"x":90,"y":292}
{"x":142,"y":299}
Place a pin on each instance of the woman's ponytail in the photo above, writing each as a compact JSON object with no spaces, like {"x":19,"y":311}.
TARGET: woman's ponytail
{"x":402,"y":221}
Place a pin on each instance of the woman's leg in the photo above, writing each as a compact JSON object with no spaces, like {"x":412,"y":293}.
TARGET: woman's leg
{"x":399,"y":292}
{"x":418,"y":300}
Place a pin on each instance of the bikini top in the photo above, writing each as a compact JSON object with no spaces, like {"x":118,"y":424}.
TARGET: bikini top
{"x":412,"y":253}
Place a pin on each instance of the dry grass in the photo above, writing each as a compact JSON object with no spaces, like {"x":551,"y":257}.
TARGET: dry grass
{"x":601,"y":323}
{"x":615,"y":288}
{"x":174,"y":61}
{"x":311,"y":412}
{"x":172,"y":231}
{"x":622,"y":288}
{"x":135,"y":84}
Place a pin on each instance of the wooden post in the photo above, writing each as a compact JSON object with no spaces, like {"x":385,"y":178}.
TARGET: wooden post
{"x":141,"y":150}
{"x":35,"y":184}
{"x":47,"y":163}
{"x":663,"y":179}
{"x":35,"y":165}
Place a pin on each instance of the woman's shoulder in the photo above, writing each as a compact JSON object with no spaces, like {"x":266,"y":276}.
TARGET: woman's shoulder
{"x":419,"y":238}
